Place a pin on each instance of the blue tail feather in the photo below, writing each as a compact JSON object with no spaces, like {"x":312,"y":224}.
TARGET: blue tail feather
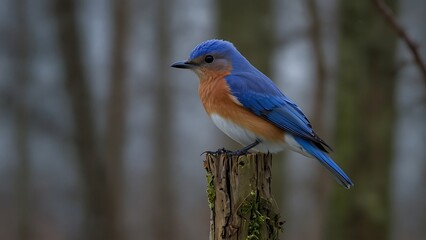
{"x":326,"y":161}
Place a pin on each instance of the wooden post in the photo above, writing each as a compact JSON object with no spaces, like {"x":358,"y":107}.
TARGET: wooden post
{"x":240,"y":199}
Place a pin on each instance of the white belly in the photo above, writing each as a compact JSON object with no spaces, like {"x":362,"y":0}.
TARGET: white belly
{"x":246,"y":137}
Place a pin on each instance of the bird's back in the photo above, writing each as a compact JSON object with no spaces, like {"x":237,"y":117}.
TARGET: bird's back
{"x":234,"y":119}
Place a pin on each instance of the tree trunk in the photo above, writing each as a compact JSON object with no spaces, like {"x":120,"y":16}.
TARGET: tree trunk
{"x":240,"y":198}
{"x":365,"y":99}
{"x":321,"y":187}
{"x":115,"y":119}
{"x":23,"y":181}
{"x":162,"y":165}
{"x":253,"y":26}
{"x":91,"y":165}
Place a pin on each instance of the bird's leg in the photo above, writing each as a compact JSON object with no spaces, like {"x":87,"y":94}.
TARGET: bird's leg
{"x":244,"y":150}
{"x":218,"y":152}
{"x":238,"y":152}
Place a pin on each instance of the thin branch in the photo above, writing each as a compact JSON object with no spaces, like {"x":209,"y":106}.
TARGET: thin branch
{"x":390,"y":18}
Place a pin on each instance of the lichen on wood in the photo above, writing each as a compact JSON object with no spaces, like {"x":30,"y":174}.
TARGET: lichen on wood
{"x":240,"y":199}
{"x":211,"y":195}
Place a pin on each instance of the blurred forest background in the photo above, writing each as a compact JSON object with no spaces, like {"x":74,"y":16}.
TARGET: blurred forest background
{"x":101,"y":139}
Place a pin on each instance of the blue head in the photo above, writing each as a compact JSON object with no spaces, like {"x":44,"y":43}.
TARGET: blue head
{"x":214,"y":55}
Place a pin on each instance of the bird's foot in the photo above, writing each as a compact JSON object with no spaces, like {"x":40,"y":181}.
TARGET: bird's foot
{"x":218,"y":152}
{"x":237,"y":153}
{"x":244,"y":150}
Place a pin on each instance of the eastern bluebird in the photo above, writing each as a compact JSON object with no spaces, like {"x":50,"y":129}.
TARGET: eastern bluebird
{"x":248,"y":107}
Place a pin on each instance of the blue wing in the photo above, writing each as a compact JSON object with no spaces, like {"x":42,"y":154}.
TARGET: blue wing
{"x":260,"y":95}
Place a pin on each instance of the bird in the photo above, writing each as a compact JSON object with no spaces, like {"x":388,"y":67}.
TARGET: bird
{"x":248,"y":107}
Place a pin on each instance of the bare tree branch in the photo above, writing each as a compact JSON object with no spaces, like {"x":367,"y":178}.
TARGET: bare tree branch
{"x":390,"y":18}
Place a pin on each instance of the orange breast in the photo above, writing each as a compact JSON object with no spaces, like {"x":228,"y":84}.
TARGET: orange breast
{"x":217,"y":99}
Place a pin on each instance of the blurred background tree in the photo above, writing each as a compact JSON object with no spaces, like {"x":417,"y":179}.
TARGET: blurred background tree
{"x":100,"y":139}
{"x":365,"y":113}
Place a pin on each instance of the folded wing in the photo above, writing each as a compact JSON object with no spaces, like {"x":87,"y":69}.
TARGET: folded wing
{"x":259,"y":94}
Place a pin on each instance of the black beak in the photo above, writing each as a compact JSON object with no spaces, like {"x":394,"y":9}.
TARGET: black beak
{"x":183,"y":64}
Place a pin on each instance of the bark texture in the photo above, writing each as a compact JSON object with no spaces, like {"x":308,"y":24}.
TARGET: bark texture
{"x":240,"y":198}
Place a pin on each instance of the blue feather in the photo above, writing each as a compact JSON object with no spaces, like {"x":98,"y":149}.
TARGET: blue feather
{"x":258,"y":93}
{"x":213,"y":46}
{"x":326,"y":161}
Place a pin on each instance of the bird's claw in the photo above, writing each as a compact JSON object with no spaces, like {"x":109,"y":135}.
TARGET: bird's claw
{"x":217,"y":152}
{"x":239,"y":152}
{"x":225,"y":151}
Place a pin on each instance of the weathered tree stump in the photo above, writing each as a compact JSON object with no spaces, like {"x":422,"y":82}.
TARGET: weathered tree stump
{"x":240,"y":199}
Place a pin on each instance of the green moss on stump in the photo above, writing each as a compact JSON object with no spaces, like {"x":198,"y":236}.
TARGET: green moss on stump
{"x":211,"y":194}
{"x":258,"y":209}
{"x":240,"y":198}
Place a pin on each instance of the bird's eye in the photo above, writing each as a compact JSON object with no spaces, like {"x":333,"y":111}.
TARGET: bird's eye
{"x":209,"y":59}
